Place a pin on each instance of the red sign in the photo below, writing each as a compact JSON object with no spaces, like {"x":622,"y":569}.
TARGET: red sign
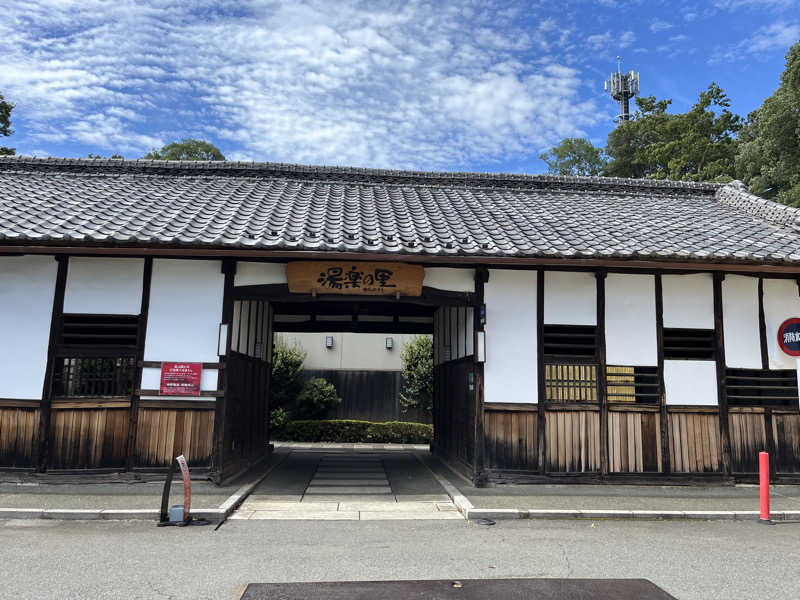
{"x":789,"y":336}
{"x":181,"y":379}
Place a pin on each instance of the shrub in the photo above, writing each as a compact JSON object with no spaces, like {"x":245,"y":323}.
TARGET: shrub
{"x":287,"y":374}
{"x":346,"y":431}
{"x":278,"y":419}
{"x":418,"y":374}
{"x":317,"y":398}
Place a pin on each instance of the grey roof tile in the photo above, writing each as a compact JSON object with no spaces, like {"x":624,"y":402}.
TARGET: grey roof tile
{"x":276,"y":206}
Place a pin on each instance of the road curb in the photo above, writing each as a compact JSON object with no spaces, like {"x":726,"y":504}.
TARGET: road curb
{"x":635,"y":515}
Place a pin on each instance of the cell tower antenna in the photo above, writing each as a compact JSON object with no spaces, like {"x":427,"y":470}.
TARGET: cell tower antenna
{"x":623,"y":87}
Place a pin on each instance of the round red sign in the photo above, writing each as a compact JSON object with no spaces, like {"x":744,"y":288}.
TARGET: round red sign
{"x":789,"y":336}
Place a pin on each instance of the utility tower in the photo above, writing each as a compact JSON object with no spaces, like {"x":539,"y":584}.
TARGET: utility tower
{"x":623,"y":87}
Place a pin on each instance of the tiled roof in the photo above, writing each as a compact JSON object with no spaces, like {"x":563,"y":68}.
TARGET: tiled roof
{"x":266,"y":206}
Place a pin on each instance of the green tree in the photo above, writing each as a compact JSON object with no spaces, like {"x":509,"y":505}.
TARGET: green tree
{"x":186,"y":149}
{"x":317,"y":397}
{"x":698,"y":145}
{"x":574,"y":156}
{"x":417,"y":360}
{"x":287,"y":374}
{"x":768,"y":160}
{"x":98,"y":156}
{"x":5,"y":125}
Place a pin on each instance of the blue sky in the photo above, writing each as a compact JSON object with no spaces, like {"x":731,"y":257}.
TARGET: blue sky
{"x":465,"y":85}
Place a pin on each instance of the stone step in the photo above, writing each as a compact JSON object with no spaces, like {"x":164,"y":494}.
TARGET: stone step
{"x":332,"y":490}
{"x":348,"y":482}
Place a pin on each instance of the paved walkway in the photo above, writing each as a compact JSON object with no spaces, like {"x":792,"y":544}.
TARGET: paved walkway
{"x":340,"y":484}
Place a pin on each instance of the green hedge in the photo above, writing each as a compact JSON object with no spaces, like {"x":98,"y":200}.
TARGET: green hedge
{"x":391,"y":432}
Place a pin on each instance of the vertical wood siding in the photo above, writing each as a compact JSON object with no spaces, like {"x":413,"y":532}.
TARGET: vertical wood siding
{"x":786,"y":433}
{"x":510,"y":438}
{"x":454,"y":411}
{"x":573,"y":441}
{"x":634,"y":442}
{"x":19,"y":433}
{"x":163,"y":434}
{"x":88,"y":438}
{"x":694,"y":442}
{"x":748,"y":438}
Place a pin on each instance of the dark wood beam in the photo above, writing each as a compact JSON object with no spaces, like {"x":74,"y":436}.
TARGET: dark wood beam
{"x":601,"y":369}
{"x":722,"y":396}
{"x":662,"y":392}
{"x":220,"y":420}
{"x":540,"y":373}
{"x":279,"y":293}
{"x":352,"y":327}
{"x":141,"y":337}
{"x":56,"y":331}
{"x":478,"y":467}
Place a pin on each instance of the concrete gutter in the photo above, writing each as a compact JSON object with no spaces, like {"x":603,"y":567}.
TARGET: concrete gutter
{"x":703,"y":515}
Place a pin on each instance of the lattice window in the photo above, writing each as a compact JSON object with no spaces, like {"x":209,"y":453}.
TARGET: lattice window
{"x":100,"y":330}
{"x":94,"y":377}
{"x":570,"y":341}
{"x":632,"y":384}
{"x":693,"y":344}
{"x":761,"y":387}
{"x":570,"y":382}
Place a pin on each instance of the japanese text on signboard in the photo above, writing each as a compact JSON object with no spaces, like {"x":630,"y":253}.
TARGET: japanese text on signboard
{"x":181,"y":379}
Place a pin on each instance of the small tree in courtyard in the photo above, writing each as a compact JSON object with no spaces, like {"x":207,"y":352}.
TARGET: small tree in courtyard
{"x":418,"y":374}
{"x":287,"y":374}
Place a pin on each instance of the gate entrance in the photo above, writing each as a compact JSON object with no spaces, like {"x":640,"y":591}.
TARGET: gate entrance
{"x":446,"y":316}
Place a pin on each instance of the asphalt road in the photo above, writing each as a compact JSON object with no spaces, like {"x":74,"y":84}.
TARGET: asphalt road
{"x":690,"y":560}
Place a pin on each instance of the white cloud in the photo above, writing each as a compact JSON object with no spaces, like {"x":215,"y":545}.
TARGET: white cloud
{"x":423,"y":85}
{"x":757,"y":4}
{"x":659,"y":25}
{"x":776,"y":37}
{"x":608,"y":39}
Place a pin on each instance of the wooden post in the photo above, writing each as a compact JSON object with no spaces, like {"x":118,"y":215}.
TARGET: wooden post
{"x":540,"y":373}
{"x":220,"y":420}
{"x":601,"y":369}
{"x":56,"y":333}
{"x":481,"y":277}
{"x":722,"y":394}
{"x":662,"y":392}
{"x":141,"y":335}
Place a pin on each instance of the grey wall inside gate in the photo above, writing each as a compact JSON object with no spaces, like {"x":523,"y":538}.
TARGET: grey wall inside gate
{"x":368,"y":395}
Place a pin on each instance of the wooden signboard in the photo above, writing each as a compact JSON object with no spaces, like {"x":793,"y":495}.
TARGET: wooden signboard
{"x":355,"y":278}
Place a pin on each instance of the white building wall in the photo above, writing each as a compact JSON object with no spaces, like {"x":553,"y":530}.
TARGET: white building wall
{"x":781,"y":302}
{"x":510,"y":370}
{"x":351,"y":351}
{"x":570,"y":298}
{"x":691,"y":382}
{"x":454,"y":280}
{"x":110,"y":286}
{"x":688,"y":301}
{"x":631,"y":320}
{"x":740,"y":322}
{"x":184,"y":316}
{"x":27,"y":287}
{"x":259,"y":273}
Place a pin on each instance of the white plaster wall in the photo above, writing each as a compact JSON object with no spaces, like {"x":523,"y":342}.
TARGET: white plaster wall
{"x":27,"y":286}
{"x":691,"y":382}
{"x":111,"y":286}
{"x":688,"y":301}
{"x":185,"y":311}
{"x":631,"y":320}
{"x":740,"y":322}
{"x":781,"y":302}
{"x":570,"y":298}
{"x":351,"y":351}
{"x":259,"y":273}
{"x":510,"y":370}
{"x":454,"y":280}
